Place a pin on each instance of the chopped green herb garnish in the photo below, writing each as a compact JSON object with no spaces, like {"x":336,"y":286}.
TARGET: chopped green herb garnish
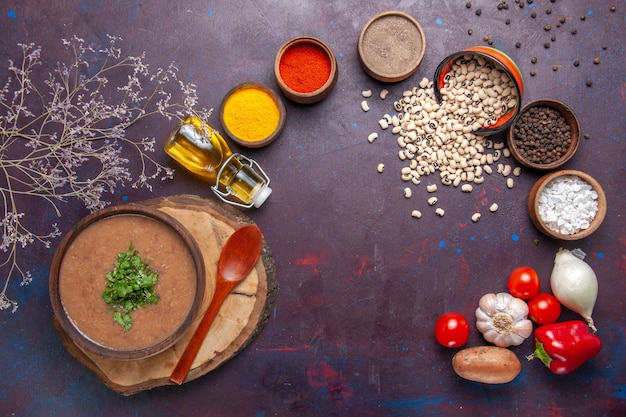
{"x":130,"y":285}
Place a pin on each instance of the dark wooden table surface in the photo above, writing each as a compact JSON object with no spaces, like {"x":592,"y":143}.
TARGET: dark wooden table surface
{"x":360,"y":282}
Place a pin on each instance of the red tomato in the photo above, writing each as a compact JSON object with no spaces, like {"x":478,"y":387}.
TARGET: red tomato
{"x":452,"y":330}
{"x":544,"y":309}
{"x":524,"y":283}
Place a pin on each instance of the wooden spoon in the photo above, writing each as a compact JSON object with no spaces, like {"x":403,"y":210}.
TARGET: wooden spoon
{"x":239,"y":255}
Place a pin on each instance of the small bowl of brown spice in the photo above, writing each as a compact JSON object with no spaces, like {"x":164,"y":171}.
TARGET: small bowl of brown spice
{"x":545,"y":135}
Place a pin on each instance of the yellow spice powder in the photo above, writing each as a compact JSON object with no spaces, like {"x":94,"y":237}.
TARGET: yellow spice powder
{"x":251,"y":114}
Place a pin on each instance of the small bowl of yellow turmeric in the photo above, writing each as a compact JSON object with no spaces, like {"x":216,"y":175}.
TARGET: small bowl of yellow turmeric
{"x":252,"y":115}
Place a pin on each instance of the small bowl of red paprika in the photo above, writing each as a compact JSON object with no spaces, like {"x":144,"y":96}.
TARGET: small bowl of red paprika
{"x":305,"y":70}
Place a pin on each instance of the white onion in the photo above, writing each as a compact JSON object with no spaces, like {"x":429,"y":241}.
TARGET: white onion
{"x":574,"y":283}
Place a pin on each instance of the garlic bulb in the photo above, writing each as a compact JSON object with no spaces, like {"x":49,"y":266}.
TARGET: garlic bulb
{"x":502,"y":319}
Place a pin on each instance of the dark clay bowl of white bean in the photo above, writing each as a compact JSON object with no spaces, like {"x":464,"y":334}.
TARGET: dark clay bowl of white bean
{"x":485,"y":84}
{"x":545,"y":135}
{"x":567,"y":205}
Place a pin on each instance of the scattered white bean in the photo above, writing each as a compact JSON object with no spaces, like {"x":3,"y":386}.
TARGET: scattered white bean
{"x":510,"y":182}
{"x":439,"y":137}
{"x":517,"y":171}
{"x":383,"y":93}
{"x":366,"y":93}
{"x":407,"y":192}
{"x":380,"y":168}
{"x":493,"y":208}
{"x":440,"y":212}
{"x":416,"y":213}
{"x":475,"y":217}
{"x":372,"y":137}
{"x":432,"y":201}
{"x":365,"y":106}
{"x":479,"y":179}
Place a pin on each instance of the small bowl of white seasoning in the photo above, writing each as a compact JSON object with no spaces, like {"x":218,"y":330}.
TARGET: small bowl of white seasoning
{"x":567,"y":204}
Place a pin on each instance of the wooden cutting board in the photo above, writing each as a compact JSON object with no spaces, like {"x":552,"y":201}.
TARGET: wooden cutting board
{"x":241,"y":318}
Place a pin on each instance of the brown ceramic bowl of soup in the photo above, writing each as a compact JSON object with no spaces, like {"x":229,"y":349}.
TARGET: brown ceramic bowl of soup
{"x":78,"y":278}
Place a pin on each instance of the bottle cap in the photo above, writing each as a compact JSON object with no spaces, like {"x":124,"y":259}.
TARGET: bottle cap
{"x":261,"y":196}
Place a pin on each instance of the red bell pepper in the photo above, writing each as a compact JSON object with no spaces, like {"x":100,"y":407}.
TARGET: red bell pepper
{"x":565,"y":346}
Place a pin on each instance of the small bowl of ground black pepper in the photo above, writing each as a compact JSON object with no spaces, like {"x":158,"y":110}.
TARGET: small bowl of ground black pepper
{"x":305,"y":69}
{"x":391,"y":46}
{"x":567,"y":204}
{"x":545,"y":135}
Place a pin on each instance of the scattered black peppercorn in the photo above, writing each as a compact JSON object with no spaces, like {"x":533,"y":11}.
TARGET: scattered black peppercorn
{"x":533,"y":60}
{"x":479,"y":12}
{"x":533,"y":73}
{"x":555,"y":67}
{"x":548,"y":10}
{"x":518,"y":45}
{"x":547,"y":28}
{"x":605,"y":47}
{"x":596,"y":61}
{"x":613,"y":8}
{"x":485,"y":38}
{"x":574,"y":31}
{"x":576,"y":63}
{"x":589,"y":83}
{"x":562,"y":19}
{"x":553,"y":38}
{"x":583,"y":17}
{"x":533,"y":14}
{"x":468,"y":5}
{"x":521,"y":5}
{"x":529,"y":1}
{"x":586,"y":136}
{"x":470,"y":31}
{"x":546,"y":45}
{"x":507,"y":21}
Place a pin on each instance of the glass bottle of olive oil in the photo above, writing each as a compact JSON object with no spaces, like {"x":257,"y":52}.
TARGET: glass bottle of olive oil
{"x":204,"y":152}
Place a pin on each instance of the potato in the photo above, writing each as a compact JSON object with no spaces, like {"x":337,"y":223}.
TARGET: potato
{"x":487,"y":364}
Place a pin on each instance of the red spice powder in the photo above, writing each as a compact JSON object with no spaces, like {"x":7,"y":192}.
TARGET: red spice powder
{"x":304,"y":67}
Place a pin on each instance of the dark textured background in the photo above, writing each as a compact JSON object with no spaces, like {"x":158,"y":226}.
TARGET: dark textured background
{"x":361,"y":283}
